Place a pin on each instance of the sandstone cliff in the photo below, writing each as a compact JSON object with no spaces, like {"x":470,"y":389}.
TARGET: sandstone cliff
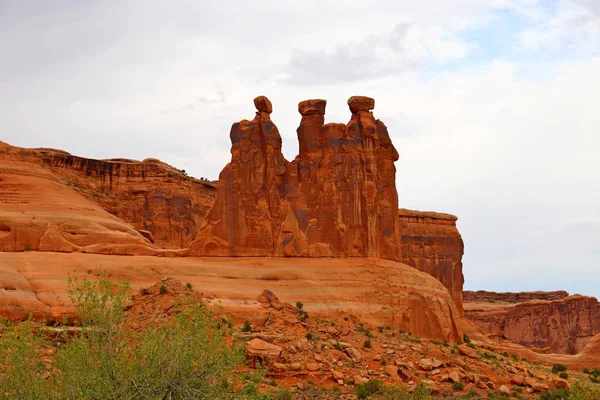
{"x":432,"y":244}
{"x":564,"y":325}
{"x":336,"y":199}
{"x":512,"y":297}
{"x":156,"y":199}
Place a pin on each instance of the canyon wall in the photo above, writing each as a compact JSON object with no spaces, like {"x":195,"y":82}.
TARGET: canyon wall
{"x":159,"y":201}
{"x":337,"y":198}
{"x":431,"y":243}
{"x":561,"y":325}
{"x":512,"y":297}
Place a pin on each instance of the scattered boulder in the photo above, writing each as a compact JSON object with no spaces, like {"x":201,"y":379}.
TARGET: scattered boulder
{"x":259,"y":350}
{"x":312,"y":367}
{"x":269,"y":299}
{"x":354,"y":354}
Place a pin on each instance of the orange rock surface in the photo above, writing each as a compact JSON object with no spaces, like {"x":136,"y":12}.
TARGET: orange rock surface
{"x":432,"y":244}
{"x":39,"y":212}
{"x":380,"y":292}
{"x":150,"y":195}
{"x":565,"y":325}
{"x":512,"y":297}
{"x":336,"y":199}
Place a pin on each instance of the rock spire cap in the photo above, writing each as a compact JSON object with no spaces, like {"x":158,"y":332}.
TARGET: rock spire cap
{"x":263,"y":104}
{"x":361,"y":103}
{"x":312,"y":107}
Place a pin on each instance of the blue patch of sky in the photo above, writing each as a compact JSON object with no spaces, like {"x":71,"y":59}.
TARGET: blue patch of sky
{"x":498,"y":39}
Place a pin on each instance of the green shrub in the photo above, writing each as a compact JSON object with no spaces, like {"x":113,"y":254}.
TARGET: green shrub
{"x":247,"y":327}
{"x":466,"y":338}
{"x":309,"y":336}
{"x":184,"y":355}
{"x":556,"y":368}
{"x":367,"y":344}
{"x":458,"y":386}
{"x":163,"y":289}
{"x":361,"y":329}
{"x":556,"y":394}
{"x":189,"y":285}
{"x":370,"y":388}
{"x":564,"y":375}
{"x":586,"y":370}
{"x":302,"y":315}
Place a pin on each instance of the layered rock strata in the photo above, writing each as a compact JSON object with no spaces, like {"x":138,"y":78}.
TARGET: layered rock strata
{"x":337,"y":198}
{"x":512,"y":297}
{"x":564,"y":325}
{"x":151,"y":196}
{"x":432,"y":244}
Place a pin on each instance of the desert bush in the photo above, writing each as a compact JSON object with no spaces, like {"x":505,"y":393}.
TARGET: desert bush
{"x":369,"y":389}
{"x":557,"y":368}
{"x":564,"y":375}
{"x":367,"y":344}
{"x":556,"y":394}
{"x":163,"y":289}
{"x":247,"y":327}
{"x":181,"y":356}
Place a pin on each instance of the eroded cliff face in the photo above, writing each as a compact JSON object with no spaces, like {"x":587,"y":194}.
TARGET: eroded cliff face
{"x":512,"y":297}
{"x":432,"y":244}
{"x":337,"y":198}
{"x":156,"y":199}
{"x":564,"y":325}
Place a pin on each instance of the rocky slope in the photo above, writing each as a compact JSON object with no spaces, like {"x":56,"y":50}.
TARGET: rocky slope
{"x":561,"y":325}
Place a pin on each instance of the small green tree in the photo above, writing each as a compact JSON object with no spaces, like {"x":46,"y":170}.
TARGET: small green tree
{"x":177,"y":356}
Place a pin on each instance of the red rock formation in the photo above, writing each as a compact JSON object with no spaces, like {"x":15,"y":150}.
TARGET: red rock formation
{"x":561,"y":326}
{"x":512,"y":297}
{"x":336,"y":199}
{"x":432,"y":244}
{"x":149,"y":195}
{"x":39,"y":212}
{"x":375,"y":291}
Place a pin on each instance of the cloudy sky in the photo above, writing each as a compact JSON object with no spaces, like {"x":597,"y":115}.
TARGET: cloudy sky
{"x":493,"y":105}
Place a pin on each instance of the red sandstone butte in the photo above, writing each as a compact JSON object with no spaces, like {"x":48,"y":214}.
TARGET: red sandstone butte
{"x":560,"y":325}
{"x":431,"y":243}
{"x":337,"y":198}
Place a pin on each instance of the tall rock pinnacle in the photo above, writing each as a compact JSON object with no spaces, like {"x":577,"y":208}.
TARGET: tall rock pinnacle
{"x":337,"y":198}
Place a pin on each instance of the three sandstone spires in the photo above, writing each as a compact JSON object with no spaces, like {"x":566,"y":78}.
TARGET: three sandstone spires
{"x":337,"y":198}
